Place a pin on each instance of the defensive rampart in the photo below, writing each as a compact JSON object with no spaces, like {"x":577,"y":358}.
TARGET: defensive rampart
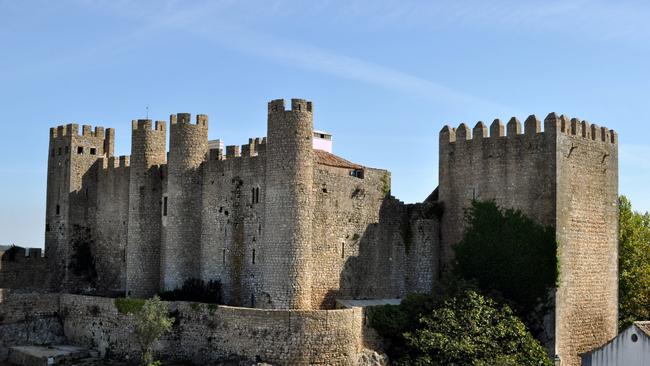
{"x":204,"y":333}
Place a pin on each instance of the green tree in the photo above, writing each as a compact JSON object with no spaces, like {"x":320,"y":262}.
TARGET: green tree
{"x":470,"y":329}
{"x":510,"y":257}
{"x":634,"y":264}
{"x":455,"y":324}
{"x":151,"y":322}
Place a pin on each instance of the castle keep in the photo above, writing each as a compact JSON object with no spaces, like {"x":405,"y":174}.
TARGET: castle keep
{"x":279,"y":223}
{"x":285,"y":224}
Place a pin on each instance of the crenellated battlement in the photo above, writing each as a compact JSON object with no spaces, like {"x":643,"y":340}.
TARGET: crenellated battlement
{"x":185,"y":118}
{"x":532,"y":127}
{"x":297,"y":105}
{"x":256,"y":146}
{"x":86,"y":130}
{"x":19,"y":253}
{"x":114,"y":162}
{"x":146,"y":124}
{"x":232,"y":151}
{"x":253,"y":146}
{"x":215,"y":154}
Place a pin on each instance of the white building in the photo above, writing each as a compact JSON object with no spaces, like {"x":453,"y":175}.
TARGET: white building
{"x":630,"y":348}
{"x":323,"y":141}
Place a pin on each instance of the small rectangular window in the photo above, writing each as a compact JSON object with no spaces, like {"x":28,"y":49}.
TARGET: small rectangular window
{"x":80,"y":150}
{"x":223,"y":256}
{"x":253,"y":256}
{"x":58,"y":209}
{"x":93,"y":151}
{"x":67,"y":149}
{"x":164,"y":206}
{"x":358,"y":173}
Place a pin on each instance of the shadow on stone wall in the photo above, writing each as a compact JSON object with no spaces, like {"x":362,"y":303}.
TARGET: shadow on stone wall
{"x":23,"y":268}
{"x":397,"y":255}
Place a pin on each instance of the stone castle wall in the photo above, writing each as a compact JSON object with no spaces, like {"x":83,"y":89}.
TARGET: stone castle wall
{"x":587,"y":233}
{"x":232,"y":227}
{"x":204,"y":334}
{"x":28,"y":319}
{"x":204,"y":215}
{"x":566,"y":177}
{"x":23,"y":268}
{"x":111,"y":223}
{"x":367,"y":244}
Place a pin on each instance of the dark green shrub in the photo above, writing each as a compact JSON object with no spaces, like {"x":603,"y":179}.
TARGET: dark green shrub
{"x":470,"y":329}
{"x":510,"y":257}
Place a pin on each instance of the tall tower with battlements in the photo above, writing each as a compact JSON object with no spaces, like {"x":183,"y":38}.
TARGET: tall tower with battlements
{"x":182,"y":223}
{"x":288,"y":208}
{"x":148,"y":155}
{"x":71,"y":201}
{"x":565,"y":176}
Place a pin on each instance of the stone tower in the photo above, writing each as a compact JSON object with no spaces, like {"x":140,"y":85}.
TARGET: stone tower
{"x":182,"y":225}
{"x":566,"y":177}
{"x":148,"y":154}
{"x":288,"y":211}
{"x":71,"y":198}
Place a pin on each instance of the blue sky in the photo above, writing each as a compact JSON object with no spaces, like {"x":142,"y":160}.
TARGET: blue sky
{"x":384,"y":76}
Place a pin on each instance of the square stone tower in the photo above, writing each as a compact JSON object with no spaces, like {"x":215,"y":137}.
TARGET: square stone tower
{"x":70,"y":207}
{"x":566,"y":177}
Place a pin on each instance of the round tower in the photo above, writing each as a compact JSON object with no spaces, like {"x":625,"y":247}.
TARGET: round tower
{"x":288,"y":206}
{"x":188,"y":146}
{"x":148,"y":154}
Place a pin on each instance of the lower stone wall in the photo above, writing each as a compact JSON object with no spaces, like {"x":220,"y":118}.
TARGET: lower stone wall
{"x":204,"y":334}
{"x":28,"y":319}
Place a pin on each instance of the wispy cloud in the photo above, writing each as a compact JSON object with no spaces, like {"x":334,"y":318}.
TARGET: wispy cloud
{"x":593,"y":19}
{"x":212,"y":22}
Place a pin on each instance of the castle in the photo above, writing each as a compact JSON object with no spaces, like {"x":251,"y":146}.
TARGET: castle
{"x":284,"y":225}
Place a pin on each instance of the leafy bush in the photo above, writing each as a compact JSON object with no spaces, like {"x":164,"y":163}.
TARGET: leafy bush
{"x":393,"y":321}
{"x":510,"y":257}
{"x":634,"y":264}
{"x":196,"y":290}
{"x":464,"y":328}
{"x":151,"y":322}
{"x":472,"y":330}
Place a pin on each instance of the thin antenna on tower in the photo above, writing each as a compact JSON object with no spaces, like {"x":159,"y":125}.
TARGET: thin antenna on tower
{"x":147,"y":112}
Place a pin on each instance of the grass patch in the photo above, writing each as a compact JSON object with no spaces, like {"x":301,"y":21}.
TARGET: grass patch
{"x":128,"y":305}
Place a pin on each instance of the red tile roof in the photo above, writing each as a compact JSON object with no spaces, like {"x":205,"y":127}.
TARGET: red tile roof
{"x":325,"y":158}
